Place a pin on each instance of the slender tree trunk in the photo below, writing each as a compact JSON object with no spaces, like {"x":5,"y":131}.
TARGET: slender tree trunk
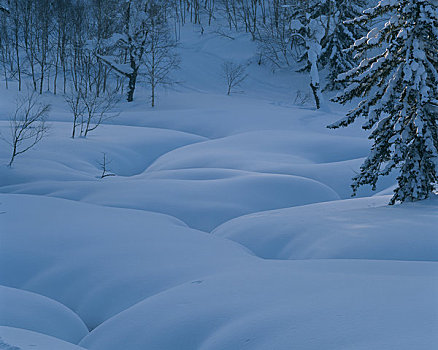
{"x":18,"y":61}
{"x":64,"y":72}
{"x":153,"y":95}
{"x":6,"y":76}
{"x":56,"y":66}
{"x":14,"y":153}
{"x":315,"y":90}
{"x":131,"y":85}
{"x":74,"y":127}
{"x":42,"y":77}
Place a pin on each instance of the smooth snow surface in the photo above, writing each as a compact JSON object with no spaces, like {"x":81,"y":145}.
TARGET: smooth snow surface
{"x":23,"y":339}
{"x":228,"y":225}
{"x":39,"y":314}
{"x":363,"y":228}
{"x":98,"y":261}
{"x":321,"y":304}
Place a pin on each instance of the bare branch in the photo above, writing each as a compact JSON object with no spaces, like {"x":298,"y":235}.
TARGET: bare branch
{"x":234,"y":74}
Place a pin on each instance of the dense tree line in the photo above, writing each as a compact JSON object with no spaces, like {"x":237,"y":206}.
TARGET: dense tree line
{"x":63,"y":44}
{"x":72,"y":44}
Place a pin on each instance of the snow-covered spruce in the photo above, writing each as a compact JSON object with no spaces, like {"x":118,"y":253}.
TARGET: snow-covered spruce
{"x":399,"y":87}
{"x":341,"y":34}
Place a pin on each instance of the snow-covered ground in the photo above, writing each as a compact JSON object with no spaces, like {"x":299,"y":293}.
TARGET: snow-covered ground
{"x":228,"y":226}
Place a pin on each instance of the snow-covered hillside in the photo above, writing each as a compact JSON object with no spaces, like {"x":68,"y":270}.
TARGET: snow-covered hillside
{"x":228,"y":225}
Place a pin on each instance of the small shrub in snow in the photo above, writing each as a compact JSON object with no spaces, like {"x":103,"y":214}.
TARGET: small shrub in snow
{"x":104,"y":167}
{"x":302,"y":98}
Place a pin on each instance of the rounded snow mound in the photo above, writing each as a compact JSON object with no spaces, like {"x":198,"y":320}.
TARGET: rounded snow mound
{"x":312,"y":305}
{"x":251,"y":150}
{"x":22,"y":309}
{"x":323,"y":158}
{"x":23,"y":339}
{"x":364,"y":228}
{"x":99,"y":261}
{"x":201,"y":204}
{"x":129,"y":150}
{"x":206,"y":204}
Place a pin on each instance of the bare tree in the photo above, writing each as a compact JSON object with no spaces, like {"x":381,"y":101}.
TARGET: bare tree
{"x":5,"y":46}
{"x":160,"y":58}
{"x":74,"y":101}
{"x":234,"y":74}
{"x":90,"y":105}
{"x":97,"y":108}
{"x":27,"y":125}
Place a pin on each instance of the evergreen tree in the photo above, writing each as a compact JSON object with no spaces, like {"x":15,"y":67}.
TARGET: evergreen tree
{"x":341,"y":34}
{"x":399,"y":87}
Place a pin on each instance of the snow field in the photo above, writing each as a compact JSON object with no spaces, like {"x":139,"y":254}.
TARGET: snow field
{"x":226,"y":227}
{"x":98,"y":260}
{"x":311,"y":304}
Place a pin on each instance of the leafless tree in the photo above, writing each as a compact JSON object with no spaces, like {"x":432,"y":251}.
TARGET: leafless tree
{"x":234,"y":74}
{"x":249,"y":16}
{"x":160,"y":58}
{"x":97,"y":108}
{"x":27,"y":125}
{"x":5,"y":46}
{"x":228,"y":9}
{"x":74,"y":101}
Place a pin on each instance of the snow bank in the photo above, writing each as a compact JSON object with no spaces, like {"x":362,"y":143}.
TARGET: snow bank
{"x":129,"y":150}
{"x":270,"y":145}
{"x":321,"y":157}
{"x":364,"y":228}
{"x":22,"y":309}
{"x":201,"y":204}
{"x":312,"y":305}
{"x":22,"y":339}
{"x":98,"y":261}
{"x":205,"y":204}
